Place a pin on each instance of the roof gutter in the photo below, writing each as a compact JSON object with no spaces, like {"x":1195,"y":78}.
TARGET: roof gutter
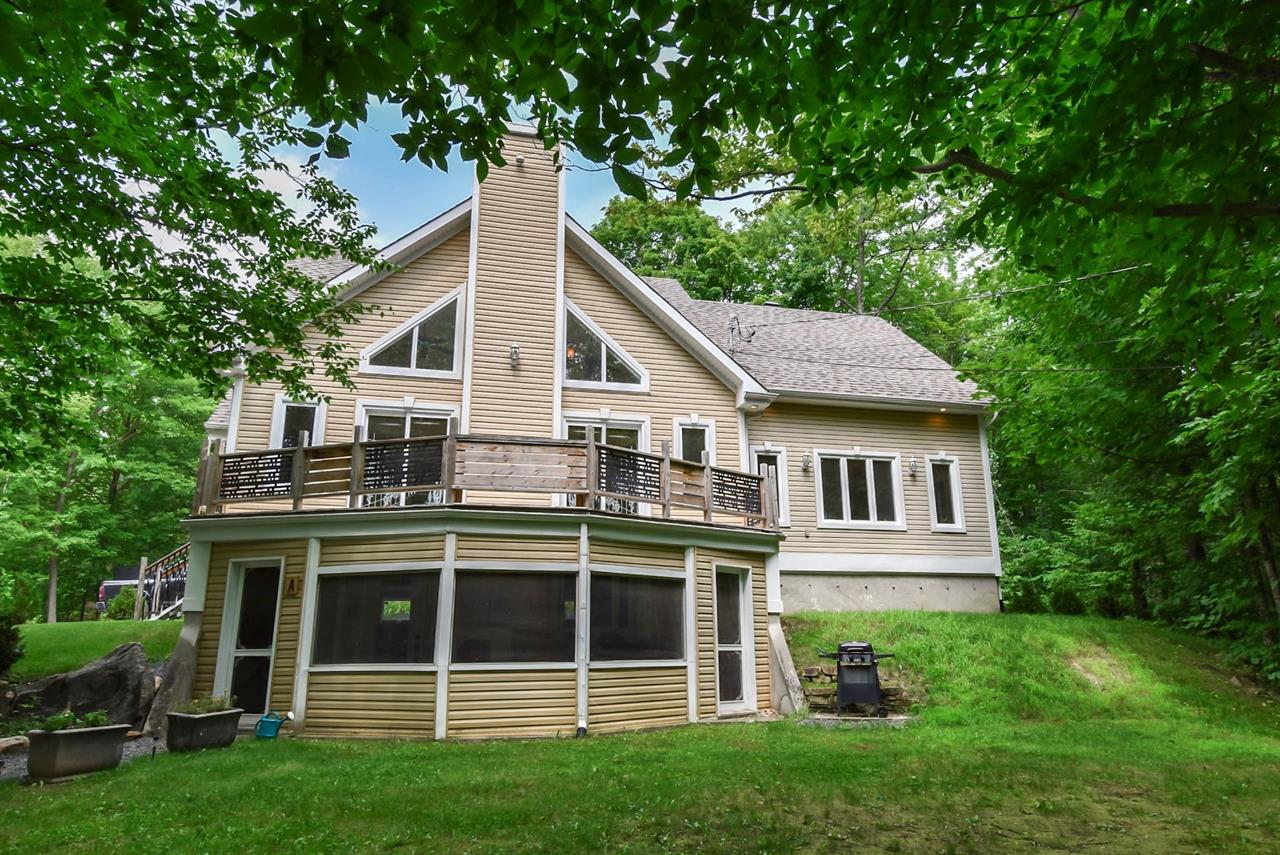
{"x":795,"y":396}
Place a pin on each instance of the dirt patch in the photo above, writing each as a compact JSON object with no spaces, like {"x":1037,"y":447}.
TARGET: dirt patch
{"x":1100,"y":669}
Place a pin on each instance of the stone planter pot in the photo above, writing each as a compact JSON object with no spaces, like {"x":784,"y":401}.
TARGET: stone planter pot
{"x":191,"y":732}
{"x":56,"y":754}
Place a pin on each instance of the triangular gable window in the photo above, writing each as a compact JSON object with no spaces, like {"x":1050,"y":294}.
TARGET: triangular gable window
{"x":592,"y":359}
{"x":426,"y":344}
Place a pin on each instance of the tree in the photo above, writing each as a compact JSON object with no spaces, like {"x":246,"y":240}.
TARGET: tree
{"x":679,"y":240}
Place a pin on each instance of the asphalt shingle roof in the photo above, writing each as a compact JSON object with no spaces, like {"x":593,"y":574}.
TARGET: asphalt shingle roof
{"x":798,"y":350}
{"x":321,"y":269}
{"x":221,"y":415}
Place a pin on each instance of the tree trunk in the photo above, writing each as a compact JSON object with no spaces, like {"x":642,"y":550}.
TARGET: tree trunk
{"x":51,"y":607}
{"x":1138,"y":588}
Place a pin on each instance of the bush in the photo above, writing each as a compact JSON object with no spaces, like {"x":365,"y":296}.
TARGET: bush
{"x":69,"y":720}
{"x":11,"y":649}
{"x":200,"y":706}
{"x":121,"y":605}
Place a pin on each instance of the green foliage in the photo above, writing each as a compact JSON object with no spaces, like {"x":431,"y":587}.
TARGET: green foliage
{"x":60,"y":647}
{"x":11,"y":648}
{"x":121,"y":605}
{"x":68,"y":720}
{"x":210,"y":704}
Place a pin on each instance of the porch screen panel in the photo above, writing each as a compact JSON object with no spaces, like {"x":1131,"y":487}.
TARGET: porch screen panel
{"x":514,"y":617}
{"x":636,"y":618}
{"x":375,"y":618}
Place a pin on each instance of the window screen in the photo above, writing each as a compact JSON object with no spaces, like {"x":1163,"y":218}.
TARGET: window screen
{"x":514,"y":617}
{"x":634,"y":617}
{"x":376,"y":618}
{"x":944,"y":506}
{"x":693,"y":441}
{"x":298,"y":418}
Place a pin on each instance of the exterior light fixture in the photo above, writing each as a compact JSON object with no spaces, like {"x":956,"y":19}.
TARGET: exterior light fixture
{"x":942,"y":409}
{"x":912,"y":465}
{"x":806,"y":461}
{"x":515,"y":355}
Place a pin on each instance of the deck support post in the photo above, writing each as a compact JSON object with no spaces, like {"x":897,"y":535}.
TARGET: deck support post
{"x":202,"y":479}
{"x":357,"y":467}
{"x":583,"y":646}
{"x":664,"y":480}
{"x":449,"y":461}
{"x":299,"y":474}
{"x":142,"y":581}
{"x":593,"y":469}
{"x":706,"y":486}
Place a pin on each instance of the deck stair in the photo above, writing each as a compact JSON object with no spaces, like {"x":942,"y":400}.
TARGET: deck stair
{"x":163,"y":584}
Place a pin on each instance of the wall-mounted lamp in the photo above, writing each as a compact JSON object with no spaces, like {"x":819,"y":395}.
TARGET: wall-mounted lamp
{"x":912,"y":466}
{"x":519,"y":160}
{"x":515,"y":355}
{"x":806,"y":461}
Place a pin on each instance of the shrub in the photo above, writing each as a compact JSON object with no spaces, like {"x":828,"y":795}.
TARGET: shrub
{"x":10,"y":643}
{"x":200,"y":706}
{"x":121,"y":605}
{"x":68,"y":720}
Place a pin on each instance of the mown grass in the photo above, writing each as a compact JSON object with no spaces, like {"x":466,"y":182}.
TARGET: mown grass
{"x":52,"y":648}
{"x":1032,"y":758}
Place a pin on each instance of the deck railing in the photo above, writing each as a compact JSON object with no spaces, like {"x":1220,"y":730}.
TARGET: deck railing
{"x":434,"y":470}
{"x":161,"y":585}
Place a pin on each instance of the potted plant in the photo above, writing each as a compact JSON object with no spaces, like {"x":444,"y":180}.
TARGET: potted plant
{"x":71,"y":745}
{"x":210,"y":722}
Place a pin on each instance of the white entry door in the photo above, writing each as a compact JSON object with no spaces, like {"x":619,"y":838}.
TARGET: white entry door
{"x":254,"y":600}
{"x":734,"y":665}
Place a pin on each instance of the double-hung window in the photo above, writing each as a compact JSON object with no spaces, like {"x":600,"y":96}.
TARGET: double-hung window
{"x":694,"y":436}
{"x":291,"y":419}
{"x":769,"y":460}
{"x":859,"y":490}
{"x":946,"y":503}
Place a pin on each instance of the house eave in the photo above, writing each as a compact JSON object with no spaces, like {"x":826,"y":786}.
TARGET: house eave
{"x":872,"y":402}
{"x":421,"y":240}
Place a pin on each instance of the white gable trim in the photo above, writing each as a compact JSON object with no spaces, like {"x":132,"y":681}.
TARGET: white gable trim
{"x":421,"y":240}
{"x":663,"y":313}
{"x":610,"y":344}
{"x":453,"y":373}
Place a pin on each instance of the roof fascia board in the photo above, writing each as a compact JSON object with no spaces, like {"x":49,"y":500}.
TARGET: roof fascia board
{"x":423,"y":239}
{"x":785,"y":396}
{"x":661,"y":312}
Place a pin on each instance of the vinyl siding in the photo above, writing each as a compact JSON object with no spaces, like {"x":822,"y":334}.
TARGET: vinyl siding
{"x":805,"y":428}
{"x":515,"y":294}
{"x":706,"y":561}
{"x":634,"y":698}
{"x":392,"y":301}
{"x":679,"y":385}
{"x":517,"y":548}
{"x":706,"y":618}
{"x":371,"y":704}
{"x":488,"y":704}
{"x":376,"y":550}
{"x":637,"y":554}
{"x":294,"y":553}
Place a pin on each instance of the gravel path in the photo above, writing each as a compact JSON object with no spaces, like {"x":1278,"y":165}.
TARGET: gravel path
{"x":13,"y":765}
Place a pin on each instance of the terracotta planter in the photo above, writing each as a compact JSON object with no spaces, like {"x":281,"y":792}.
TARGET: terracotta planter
{"x":56,"y":754}
{"x":191,"y":732}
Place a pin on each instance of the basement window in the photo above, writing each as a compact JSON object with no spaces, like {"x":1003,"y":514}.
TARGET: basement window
{"x":859,"y":490}
{"x":592,"y":360}
{"x":502,"y":616}
{"x":376,"y":618}
{"x":636,"y":618}
{"x":946,"y":503}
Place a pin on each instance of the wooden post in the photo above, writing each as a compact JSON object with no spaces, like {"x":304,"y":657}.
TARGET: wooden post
{"x":202,"y":475}
{"x":212,"y":481}
{"x":299,"y":474}
{"x":142,"y":578}
{"x":357,"y":467}
{"x":767,"y":500}
{"x":593,"y":468}
{"x":664,"y":480}
{"x":449,"y":460}
{"x":706,"y":486}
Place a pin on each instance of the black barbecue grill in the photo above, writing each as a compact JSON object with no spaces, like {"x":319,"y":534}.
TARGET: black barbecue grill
{"x":857,"y":677}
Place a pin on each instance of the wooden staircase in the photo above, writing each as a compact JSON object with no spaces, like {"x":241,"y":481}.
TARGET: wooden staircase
{"x":162,"y":584}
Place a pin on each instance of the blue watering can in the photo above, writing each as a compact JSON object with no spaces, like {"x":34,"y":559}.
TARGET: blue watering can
{"x":268,"y":727}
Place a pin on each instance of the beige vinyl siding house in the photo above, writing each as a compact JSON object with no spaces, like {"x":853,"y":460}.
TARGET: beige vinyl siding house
{"x":561,"y":500}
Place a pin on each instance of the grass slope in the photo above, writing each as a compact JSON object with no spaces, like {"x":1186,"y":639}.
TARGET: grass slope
{"x":52,"y":648}
{"x":1039,"y":733}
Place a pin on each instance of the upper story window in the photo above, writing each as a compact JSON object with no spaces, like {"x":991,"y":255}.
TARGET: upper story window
{"x":693,"y":436}
{"x":592,"y":360}
{"x":291,"y":419}
{"x":771,"y":460}
{"x":946,"y":503}
{"x":426,"y":345}
{"x":859,"y":490}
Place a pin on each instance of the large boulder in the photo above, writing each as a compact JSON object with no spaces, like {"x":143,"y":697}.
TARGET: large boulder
{"x":175,"y":687}
{"x":120,"y":683}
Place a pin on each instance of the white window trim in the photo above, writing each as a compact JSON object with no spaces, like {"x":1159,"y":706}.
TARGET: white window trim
{"x":609,"y":343}
{"x":747,"y":644}
{"x":900,"y":520}
{"x":607,"y":418}
{"x":693,"y":420}
{"x":229,"y":629}
{"x":276,"y":439}
{"x":784,"y":487}
{"x":459,"y":329}
{"x":405,"y":407}
{"x":957,"y":496}
{"x":628,"y":571}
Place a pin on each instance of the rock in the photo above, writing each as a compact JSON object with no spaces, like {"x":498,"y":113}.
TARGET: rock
{"x":175,"y":687}
{"x":811,"y":672}
{"x":119,"y":683}
{"x":12,"y":743}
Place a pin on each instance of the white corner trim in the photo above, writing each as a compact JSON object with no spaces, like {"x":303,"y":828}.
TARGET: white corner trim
{"x":677,"y":325}
{"x":233,"y":420}
{"x":888,"y":564}
{"x":306,"y":632}
{"x":557,"y":380}
{"x":407,"y":327}
{"x":469,"y":337}
{"x":691,"y":631}
{"x":421,"y":240}
{"x":276,"y":439}
{"x":957,"y":492}
{"x":444,"y":634}
{"x":197,"y":576}
{"x":608,"y":344}
{"x":784,"y":481}
{"x":582,"y":638}
{"x":990,"y":491}
{"x":744,"y":444}
{"x":899,"y":523}
{"x":693,"y":420}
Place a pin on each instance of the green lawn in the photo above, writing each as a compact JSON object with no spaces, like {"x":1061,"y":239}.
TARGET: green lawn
{"x":1038,"y":733}
{"x":52,"y":648}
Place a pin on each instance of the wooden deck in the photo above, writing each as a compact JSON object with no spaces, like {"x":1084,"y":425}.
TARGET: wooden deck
{"x":458,"y":469}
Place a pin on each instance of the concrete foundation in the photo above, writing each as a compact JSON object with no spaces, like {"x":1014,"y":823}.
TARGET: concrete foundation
{"x":866,"y":592}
